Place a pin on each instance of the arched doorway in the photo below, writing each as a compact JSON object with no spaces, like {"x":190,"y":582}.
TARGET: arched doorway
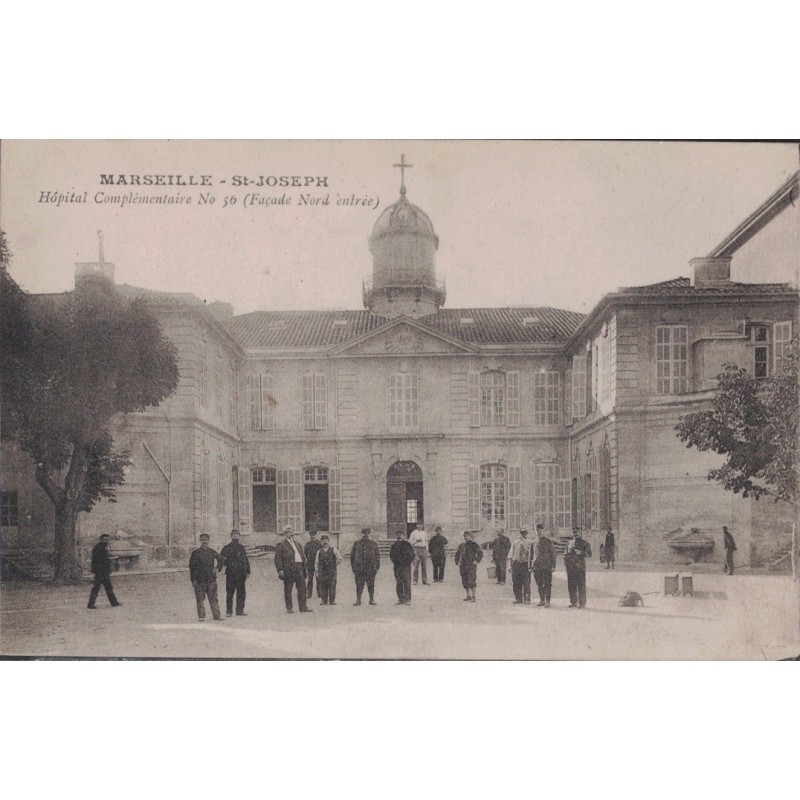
{"x":404,"y":497}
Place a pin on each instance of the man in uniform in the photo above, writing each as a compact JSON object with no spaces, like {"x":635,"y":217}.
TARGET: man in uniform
{"x":310,"y":552}
{"x":543,"y":562}
{"x":436,"y":548}
{"x":204,"y":577}
{"x":101,"y":567}
{"x":578,"y":550}
{"x":730,"y":546}
{"x":365,"y":559}
{"x":610,"y":549}
{"x":402,"y":556}
{"x":467,"y":557}
{"x":290,"y":562}
{"x":520,"y":568}
{"x":326,"y":569}
{"x":237,"y":570}
{"x":500,"y":550}
{"x":419,"y":541}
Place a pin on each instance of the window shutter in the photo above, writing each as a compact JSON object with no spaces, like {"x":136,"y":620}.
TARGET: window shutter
{"x":335,"y":499}
{"x":307,"y":402}
{"x":782,"y":336}
{"x":474,"y":497}
{"x":474,"y":389}
{"x":512,"y":398}
{"x":253,"y":395}
{"x":267,"y":403}
{"x":320,"y":402}
{"x":245,"y":500}
{"x":514,"y":498}
{"x":282,"y":497}
{"x":563,"y":509}
{"x":578,"y":387}
{"x":568,"y":397}
{"x":295,"y":493}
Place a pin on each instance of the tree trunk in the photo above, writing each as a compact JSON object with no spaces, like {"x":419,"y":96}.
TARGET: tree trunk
{"x":67,"y":568}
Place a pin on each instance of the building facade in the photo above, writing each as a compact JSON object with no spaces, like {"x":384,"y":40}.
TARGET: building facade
{"x":481,"y":418}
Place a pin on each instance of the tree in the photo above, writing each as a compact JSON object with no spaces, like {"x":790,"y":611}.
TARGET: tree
{"x":753,"y":422}
{"x":71,"y":363}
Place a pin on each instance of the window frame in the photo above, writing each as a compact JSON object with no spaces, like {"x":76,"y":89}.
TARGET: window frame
{"x":496,"y":485}
{"x":672,"y":383}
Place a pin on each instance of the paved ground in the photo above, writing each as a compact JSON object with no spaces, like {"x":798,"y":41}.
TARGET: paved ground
{"x":740,"y":617}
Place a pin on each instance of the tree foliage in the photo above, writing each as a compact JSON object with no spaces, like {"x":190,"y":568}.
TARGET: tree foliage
{"x":71,"y":363}
{"x":753,"y":422}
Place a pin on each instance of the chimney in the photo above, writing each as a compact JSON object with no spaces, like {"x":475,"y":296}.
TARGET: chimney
{"x":711,"y":271}
{"x":91,"y":269}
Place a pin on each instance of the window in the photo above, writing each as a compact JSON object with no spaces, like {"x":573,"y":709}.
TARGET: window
{"x":232,"y":397}
{"x":783,"y":335}
{"x":760,"y":346}
{"x":493,"y":398}
{"x":205,"y":489}
{"x":315,"y":496}
{"x":671,"y":359}
{"x":219,"y":386}
{"x":604,"y":480}
{"x":604,"y":368}
{"x":412,"y":511}
{"x":547,"y":397}
{"x":261,"y":394}
{"x":493,"y":494}
{"x":9,"y":509}
{"x":202,"y":368}
{"x":403,"y":400}
{"x":265,"y":501}
{"x":222,"y":494}
{"x":315,"y":402}
{"x":578,"y":387}
{"x":545,"y":482}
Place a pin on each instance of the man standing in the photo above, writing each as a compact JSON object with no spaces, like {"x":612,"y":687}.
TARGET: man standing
{"x":543,"y":563}
{"x":730,"y":546}
{"x":291,"y":565}
{"x":326,"y":569}
{"x":419,"y":541}
{"x":101,"y":567}
{"x":237,"y":570}
{"x":610,"y":549}
{"x":467,"y":557}
{"x":310,"y":552}
{"x":436,"y":548}
{"x":578,"y":550}
{"x":365,"y":559}
{"x":204,"y":577}
{"x":520,"y":568}
{"x":500,"y":550}
{"x":402,"y":555}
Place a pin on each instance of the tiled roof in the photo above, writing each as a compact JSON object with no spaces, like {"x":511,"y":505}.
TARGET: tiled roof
{"x":288,"y":329}
{"x":684,"y":286}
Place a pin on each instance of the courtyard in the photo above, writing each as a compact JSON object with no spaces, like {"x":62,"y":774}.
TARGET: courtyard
{"x":746,"y":616}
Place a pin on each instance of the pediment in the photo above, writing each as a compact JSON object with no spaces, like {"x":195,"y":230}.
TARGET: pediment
{"x":405,"y":337}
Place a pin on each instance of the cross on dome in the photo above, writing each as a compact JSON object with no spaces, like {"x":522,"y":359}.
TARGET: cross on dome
{"x":402,"y":166}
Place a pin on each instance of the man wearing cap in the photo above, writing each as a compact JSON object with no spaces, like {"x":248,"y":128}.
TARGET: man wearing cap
{"x":326,"y":565}
{"x":467,"y":557}
{"x":290,"y":561}
{"x":419,"y":541}
{"x":730,"y":547}
{"x":237,"y":570}
{"x":101,"y":567}
{"x":436,"y":547}
{"x":204,"y":577}
{"x":578,"y":550}
{"x":543,"y":562}
{"x":365,"y":559}
{"x":310,"y":552}
{"x":520,"y":568}
{"x":401,"y":554}
{"x":500,"y":550}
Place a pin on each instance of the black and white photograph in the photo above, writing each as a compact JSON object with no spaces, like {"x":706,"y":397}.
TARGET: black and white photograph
{"x":399,"y":399}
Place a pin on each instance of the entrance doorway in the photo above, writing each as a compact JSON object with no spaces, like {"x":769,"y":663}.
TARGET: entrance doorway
{"x":404,"y":497}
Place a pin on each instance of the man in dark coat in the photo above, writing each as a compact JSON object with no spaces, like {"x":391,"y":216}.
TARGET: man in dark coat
{"x":101,"y":567}
{"x":578,"y":550}
{"x":290,"y":562}
{"x":401,"y":554}
{"x":467,"y":557}
{"x":365,"y":559}
{"x":310,"y":551}
{"x":521,"y":568}
{"x":730,"y":546}
{"x":326,"y":568}
{"x":436,"y":547}
{"x":543,"y":562}
{"x":204,"y":577}
{"x":500,"y":550}
{"x":237,"y":570}
{"x":610,"y":549}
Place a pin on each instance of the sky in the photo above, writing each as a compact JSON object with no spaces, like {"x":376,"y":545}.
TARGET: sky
{"x":520,"y":223}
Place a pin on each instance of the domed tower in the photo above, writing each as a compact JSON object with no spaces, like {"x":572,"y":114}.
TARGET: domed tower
{"x":403,"y":246}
